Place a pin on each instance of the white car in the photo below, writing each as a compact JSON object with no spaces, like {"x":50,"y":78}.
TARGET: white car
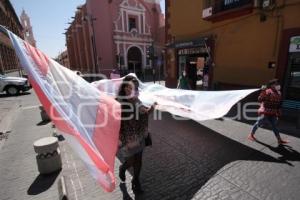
{"x":13,"y":85}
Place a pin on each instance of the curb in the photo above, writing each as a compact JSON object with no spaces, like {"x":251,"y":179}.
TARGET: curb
{"x":62,"y":189}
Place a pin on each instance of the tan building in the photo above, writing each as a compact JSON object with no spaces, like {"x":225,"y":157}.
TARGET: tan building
{"x":9,"y":19}
{"x":248,"y":42}
{"x":63,"y":59}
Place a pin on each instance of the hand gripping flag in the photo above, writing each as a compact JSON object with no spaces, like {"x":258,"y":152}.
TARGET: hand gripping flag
{"x":88,"y":119}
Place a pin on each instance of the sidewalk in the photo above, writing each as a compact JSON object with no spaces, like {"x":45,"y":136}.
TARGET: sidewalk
{"x":276,"y":176}
{"x":18,"y":171}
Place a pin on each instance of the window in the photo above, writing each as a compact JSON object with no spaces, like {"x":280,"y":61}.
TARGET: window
{"x":213,"y":9}
{"x":228,"y":4}
{"x":132,"y":23}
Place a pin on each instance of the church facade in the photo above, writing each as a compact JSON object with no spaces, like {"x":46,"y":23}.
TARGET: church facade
{"x":116,"y":35}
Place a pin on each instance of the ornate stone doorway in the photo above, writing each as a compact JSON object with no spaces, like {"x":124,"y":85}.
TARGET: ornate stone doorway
{"x":134,"y":61}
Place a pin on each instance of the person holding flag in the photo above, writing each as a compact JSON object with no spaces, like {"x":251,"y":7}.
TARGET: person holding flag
{"x":133,"y":131}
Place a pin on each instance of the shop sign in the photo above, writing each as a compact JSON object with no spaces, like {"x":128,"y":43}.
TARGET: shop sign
{"x":193,"y":43}
{"x":192,"y":51}
{"x":184,"y":44}
{"x":295,"y":44}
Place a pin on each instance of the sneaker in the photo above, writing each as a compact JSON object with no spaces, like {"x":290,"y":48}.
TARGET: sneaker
{"x":281,"y":141}
{"x":251,"y":137}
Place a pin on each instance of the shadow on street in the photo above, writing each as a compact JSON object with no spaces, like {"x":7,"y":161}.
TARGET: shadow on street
{"x":4,"y":95}
{"x":42,"y":183}
{"x":287,"y":152}
{"x":185,"y":155}
{"x":43,"y":122}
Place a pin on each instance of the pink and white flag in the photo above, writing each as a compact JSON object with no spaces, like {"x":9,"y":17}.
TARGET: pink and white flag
{"x":88,"y":115}
{"x":87,"y":118}
{"x":196,"y":105}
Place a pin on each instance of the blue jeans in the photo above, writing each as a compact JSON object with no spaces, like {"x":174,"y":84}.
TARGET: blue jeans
{"x":262,"y":119}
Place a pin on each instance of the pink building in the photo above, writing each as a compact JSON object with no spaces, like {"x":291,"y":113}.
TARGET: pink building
{"x":123,"y":31}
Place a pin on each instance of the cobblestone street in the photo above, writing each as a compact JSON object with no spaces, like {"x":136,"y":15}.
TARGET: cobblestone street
{"x":188,"y":160}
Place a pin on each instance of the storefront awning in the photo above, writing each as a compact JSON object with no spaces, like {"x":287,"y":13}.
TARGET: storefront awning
{"x":188,"y":43}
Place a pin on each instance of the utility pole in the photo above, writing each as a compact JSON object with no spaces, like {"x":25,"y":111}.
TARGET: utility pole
{"x":91,"y":19}
{"x":151,"y":57}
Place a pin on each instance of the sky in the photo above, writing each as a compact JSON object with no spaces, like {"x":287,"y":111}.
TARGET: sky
{"x":49,"y":19}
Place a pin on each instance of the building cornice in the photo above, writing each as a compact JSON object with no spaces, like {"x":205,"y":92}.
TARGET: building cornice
{"x":133,"y":39}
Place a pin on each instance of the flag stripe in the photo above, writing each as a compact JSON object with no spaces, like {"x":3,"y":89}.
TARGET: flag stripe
{"x":62,"y":94}
{"x":63,"y":126}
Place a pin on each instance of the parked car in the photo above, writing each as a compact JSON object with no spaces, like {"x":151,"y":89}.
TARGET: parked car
{"x":93,"y":77}
{"x":13,"y":85}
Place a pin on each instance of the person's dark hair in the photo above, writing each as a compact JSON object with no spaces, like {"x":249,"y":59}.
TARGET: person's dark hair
{"x":127,"y":81}
{"x":273,"y":82}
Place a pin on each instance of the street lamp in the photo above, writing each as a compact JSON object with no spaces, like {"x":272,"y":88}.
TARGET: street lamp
{"x":91,"y":20}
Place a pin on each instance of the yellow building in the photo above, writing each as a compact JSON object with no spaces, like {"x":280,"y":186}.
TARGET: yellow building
{"x":248,"y":42}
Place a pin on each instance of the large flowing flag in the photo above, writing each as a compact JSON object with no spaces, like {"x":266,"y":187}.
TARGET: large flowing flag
{"x":88,"y":119}
{"x":88,"y":115}
{"x":196,"y":105}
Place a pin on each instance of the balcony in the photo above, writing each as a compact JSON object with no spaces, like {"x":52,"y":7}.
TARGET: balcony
{"x":218,"y":10}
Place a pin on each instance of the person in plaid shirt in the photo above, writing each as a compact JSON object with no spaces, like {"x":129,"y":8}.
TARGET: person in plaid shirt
{"x":270,"y":109}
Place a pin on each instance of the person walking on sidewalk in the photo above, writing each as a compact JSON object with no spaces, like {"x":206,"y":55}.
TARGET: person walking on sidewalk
{"x":133,"y":131}
{"x":270,"y":105}
{"x":183,"y":82}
